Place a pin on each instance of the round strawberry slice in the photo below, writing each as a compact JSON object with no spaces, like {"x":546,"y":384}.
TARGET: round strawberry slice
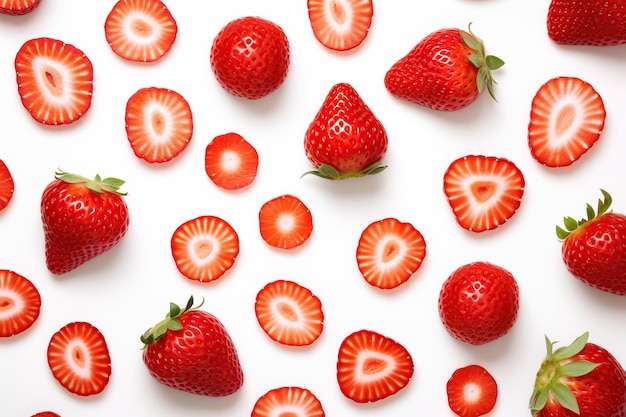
{"x":18,"y":7}
{"x":288,"y":401}
{"x":285,"y":222}
{"x":231,"y":162}
{"x":340,"y":25}
{"x":20,"y":303}
{"x":6,"y":185}
{"x":472,"y":391}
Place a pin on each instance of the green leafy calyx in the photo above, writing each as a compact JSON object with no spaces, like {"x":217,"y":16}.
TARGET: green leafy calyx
{"x":572,"y":224}
{"x":170,"y":322}
{"x":330,"y":173}
{"x":97,"y":185}
{"x":485,"y":63}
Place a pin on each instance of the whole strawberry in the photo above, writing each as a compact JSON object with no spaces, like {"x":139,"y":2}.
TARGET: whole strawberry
{"x":190,"y":350}
{"x":82,"y":219}
{"x":447,"y":71}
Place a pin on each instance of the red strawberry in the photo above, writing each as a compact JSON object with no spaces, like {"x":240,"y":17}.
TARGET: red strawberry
{"x":288,"y":401}
{"x":340,"y":25}
{"x":250,"y":57}
{"x":159,"y":124}
{"x":447,"y":71}
{"x":20,"y":303}
{"x":345,"y":139}
{"x":483,"y":191}
{"x":371,"y":366}
{"x":231,"y":162}
{"x":45,"y":414}
{"x":190,"y":350}
{"x":285,"y":222}
{"x":566,"y":118}
{"x":54,"y":80}
{"x":140,"y":30}
{"x":82,"y":219}
{"x":79,"y":359}
{"x":389,"y":253}
{"x":6,"y":185}
{"x":18,"y":7}
{"x":472,"y":391}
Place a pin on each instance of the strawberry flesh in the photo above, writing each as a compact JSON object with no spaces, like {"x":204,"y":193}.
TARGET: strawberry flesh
{"x":340,"y":25}
{"x":285,"y":222}
{"x":231,"y":162}
{"x":20,"y":303}
{"x":472,"y":391}
{"x":18,"y":7}
{"x":7,"y":185}
{"x":288,"y":402}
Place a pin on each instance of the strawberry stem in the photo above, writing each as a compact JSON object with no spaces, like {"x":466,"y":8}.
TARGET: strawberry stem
{"x":97,"y":185}
{"x":485,"y":63}
{"x":170,"y":322}
{"x":571,"y":224}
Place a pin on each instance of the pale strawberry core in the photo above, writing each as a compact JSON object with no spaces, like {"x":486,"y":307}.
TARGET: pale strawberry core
{"x":158,"y":122}
{"x":78,"y":356}
{"x":390,"y":251}
{"x":6,"y":304}
{"x":471,"y":393}
{"x":483,"y":190}
{"x":50,"y":77}
{"x":564,"y":119}
{"x":231,"y":161}
{"x":338,"y":12}
{"x":287,"y":312}
{"x":203,"y":248}
{"x":141,"y":28}
{"x":373,"y":366}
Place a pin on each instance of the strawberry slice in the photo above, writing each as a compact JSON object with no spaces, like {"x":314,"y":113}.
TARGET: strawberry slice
{"x":371,"y":366}
{"x":20,"y":303}
{"x":140,"y":30}
{"x":340,"y":25}
{"x":159,"y":124}
{"x":566,"y":118}
{"x":289,"y":313}
{"x":483,"y":191}
{"x":285,"y":222}
{"x":231,"y":162}
{"x":18,"y":7}
{"x":204,"y":248}
{"x":6,"y":185}
{"x":54,"y":80}
{"x":472,"y":391}
{"x":288,"y":402}
{"x":389,"y":252}
{"x":79,"y":359}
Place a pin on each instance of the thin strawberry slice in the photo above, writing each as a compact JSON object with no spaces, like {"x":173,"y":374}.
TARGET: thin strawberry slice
{"x":140,"y":30}
{"x":483,"y":191}
{"x":20,"y":303}
{"x":79,"y":359}
{"x":204,"y":248}
{"x":566,"y":118}
{"x":6,"y":185}
{"x":159,"y":124}
{"x":288,"y":402}
{"x":472,"y":391}
{"x":371,"y":366}
{"x":54,"y":80}
{"x":231,"y":162}
{"x":285,"y":222}
{"x":389,"y":253}
{"x":18,"y":7}
{"x":340,"y":25}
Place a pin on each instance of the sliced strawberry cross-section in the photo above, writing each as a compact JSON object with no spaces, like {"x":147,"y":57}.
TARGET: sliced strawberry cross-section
{"x":18,"y":7}
{"x":472,"y":391}
{"x":288,"y":402}
{"x":340,"y":25}
{"x":230,"y":161}
{"x":20,"y":303}
{"x":285,"y":222}
{"x":6,"y":185}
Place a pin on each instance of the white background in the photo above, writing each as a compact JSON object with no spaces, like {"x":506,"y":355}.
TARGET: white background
{"x":128,"y":289}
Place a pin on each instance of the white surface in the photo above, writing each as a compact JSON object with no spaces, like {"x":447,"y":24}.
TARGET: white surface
{"x":128,"y":289}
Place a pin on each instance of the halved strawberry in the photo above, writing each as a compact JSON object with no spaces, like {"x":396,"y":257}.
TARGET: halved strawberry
{"x":340,"y":25}
{"x":483,"y":191}
{"x":288,"y":402}
{"x":54,"y":80}
{"x":6,"y":185}
{"x":389,"y":252}
{"x":472,"y":391}
{"x":371,"y":366}
{"x":159,"y":124}
{"x":20,"y":303}
{"x":79,"y":359}
{"x":204,"y":248}
{"x":140,"y":30}
{"x":285,"y":222}
{"x":566,"y":118}
{"x":230,"y":161}
{"x":18,"y":7}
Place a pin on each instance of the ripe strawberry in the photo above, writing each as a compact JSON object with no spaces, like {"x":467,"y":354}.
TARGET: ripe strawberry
{"x":345,"y":139}
{"x":389,"y":253}
{"x":79,"y":359}
{"x":20,"y":303}
{"x":45,"y":414}
{"x":587,"y":22}
{"x":159,"y":124}
{"x":285,"y":222}
{"x":472,"y":391}
{"x":479,"y":302}
{"x":250,"y":57}
{"x":54,"y":80}
{"x":82,"y":219}
{"x":446,"y":71}
{"x":231,"y":162}
{"x":190,"y":350}
{"x":566,"y":118}
{"x":18,"y":7}
{"x":288,"y":401}
{"x":6,"y":185}
{"x":140,"y":30}
{"x":371,"y":366}
{"x":483,"y":191}
{"x":340,"y":26}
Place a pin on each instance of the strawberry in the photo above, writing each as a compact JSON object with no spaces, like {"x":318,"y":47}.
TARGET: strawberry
{"x":483,"y":191}
{"x":159,"y":124}
{"x":231,"y":162}
{"x":45,"y":414}
{"x":140,"y":30}
{"x":6,"y":185}
{"x":54,"y":80}
{"x":82,"y":219}
{"x":371,"y":366}
{"x":479,"y":302}
{"x":566,"y":118}
{"x":250,"y":57}
{"x":340,"y":25}
{"x":447,"y":70}
{"x":288,"y":401}
{"x":20,"y":303}
{"x":472,"y":391}
{"x":345,"y":139}
{"x":18,"y":7}
{"x":580,"y":379}
{"x":190,"y":350}
{"x":285,"y":222}
{"x":204,"y":248}
{"x":79,"y":359}
{"x":389,"y":252}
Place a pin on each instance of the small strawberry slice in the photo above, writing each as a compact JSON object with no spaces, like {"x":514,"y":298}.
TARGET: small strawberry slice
{"x":566,"y":118}
{"x":204,"y":248}
{"x":79,"y":359}
{"x":6,"y":185}
{"x":18,"y":7}
{"x":159,"y":124}
{"x":54,"y":80}
{"x":340,"y":25}
{"x":389,"y":252}
{"x":285,"y":222}
{"x":140,"y":30}
{"x":483,"y":191}
{"x":472,"y":391}
{"x":288,"y":402}
{"x":231,"y":162}
{"x":371,"y":366}
{"x":20,"y":303}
